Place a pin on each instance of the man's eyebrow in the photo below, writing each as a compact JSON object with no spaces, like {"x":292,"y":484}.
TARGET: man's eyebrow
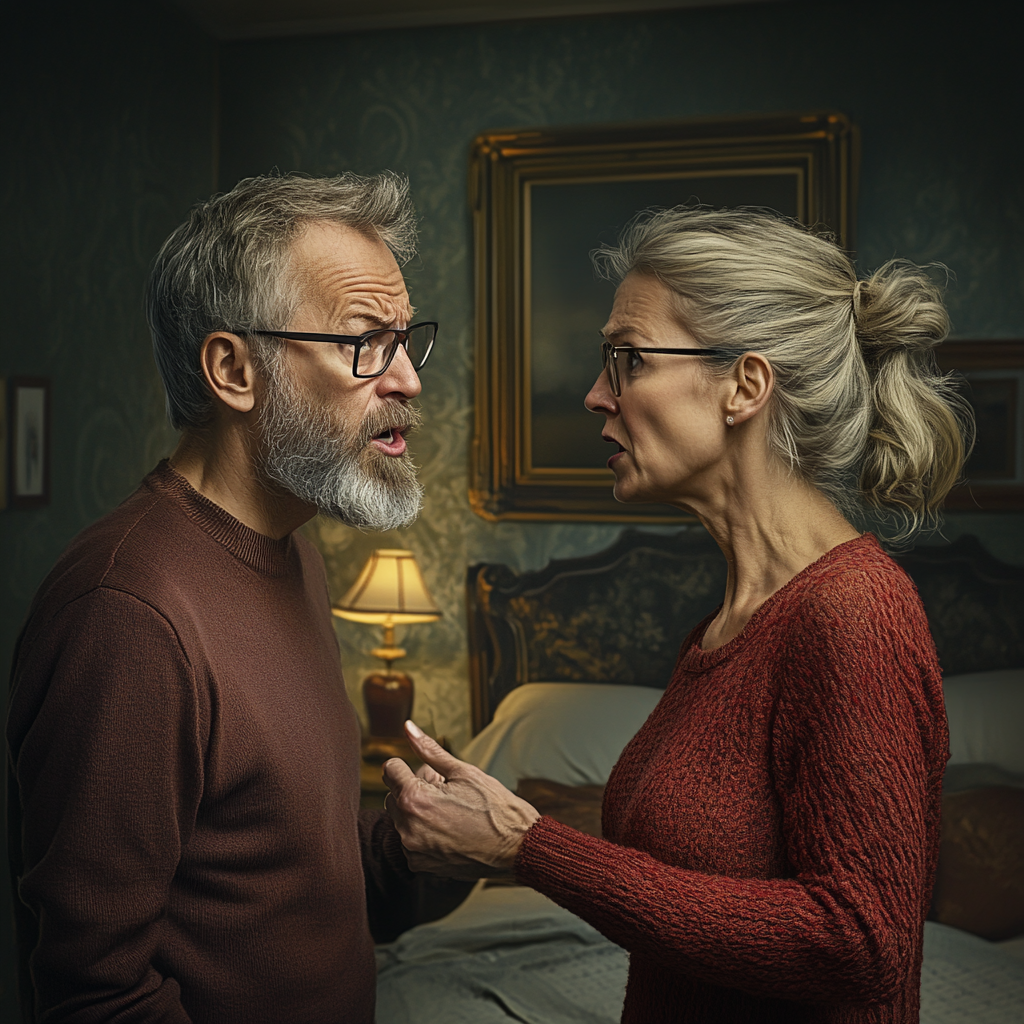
{"x":370,"y":319}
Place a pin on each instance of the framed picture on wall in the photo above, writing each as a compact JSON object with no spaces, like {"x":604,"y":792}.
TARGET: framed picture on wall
{"x":3,"y":443}
{"x":541,"y":201}
{"x":994,"y":385}
{"x":29,"y":400}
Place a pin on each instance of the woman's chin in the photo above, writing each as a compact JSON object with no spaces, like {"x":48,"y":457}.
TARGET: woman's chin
{"x":628,"y":494}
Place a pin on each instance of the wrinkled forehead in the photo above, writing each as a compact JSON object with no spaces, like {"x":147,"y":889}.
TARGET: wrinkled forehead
{"x":643,"y":305}
{"x":347,"y":274}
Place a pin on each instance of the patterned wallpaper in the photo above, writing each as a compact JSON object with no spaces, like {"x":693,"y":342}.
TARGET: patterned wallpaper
{"x":108,"y":153}
{"x":107,"y":115}
{"x":929,"y":93}
{"x":109,"y":130}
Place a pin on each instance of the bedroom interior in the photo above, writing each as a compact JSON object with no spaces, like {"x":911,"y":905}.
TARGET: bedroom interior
{"x":118,"y":115}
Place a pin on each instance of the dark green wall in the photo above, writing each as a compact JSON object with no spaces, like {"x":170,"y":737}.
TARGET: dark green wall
{"x":107,"y":130}
{"x":928,"y":84}
{"x":108,"y":125}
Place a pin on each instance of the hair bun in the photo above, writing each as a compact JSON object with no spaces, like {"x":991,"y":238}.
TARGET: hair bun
{"x":898,"y":309}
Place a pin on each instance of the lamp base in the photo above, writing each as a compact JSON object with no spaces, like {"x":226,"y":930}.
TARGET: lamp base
{"x":388,"y":696}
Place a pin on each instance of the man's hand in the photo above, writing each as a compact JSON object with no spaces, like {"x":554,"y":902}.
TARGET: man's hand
{"x":453,"y":818}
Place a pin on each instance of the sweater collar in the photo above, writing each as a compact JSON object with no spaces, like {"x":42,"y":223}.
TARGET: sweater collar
{"x":696,"y":659}
{"x":263,"y":554}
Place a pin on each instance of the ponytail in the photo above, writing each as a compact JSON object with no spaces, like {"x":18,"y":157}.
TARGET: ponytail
{"x":921,"y":428}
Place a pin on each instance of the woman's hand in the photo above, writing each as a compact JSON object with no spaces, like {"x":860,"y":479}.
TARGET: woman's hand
{"x":453,"y":818}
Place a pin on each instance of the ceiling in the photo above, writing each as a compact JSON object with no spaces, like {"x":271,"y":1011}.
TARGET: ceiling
{"x":252,"y":19}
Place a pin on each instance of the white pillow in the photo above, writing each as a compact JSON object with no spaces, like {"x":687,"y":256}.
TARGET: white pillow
{"x":986,"y":718}
{"x":571,"y":733}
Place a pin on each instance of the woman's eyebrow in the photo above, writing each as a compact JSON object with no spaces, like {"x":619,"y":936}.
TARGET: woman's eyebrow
{"x":618,"y":332}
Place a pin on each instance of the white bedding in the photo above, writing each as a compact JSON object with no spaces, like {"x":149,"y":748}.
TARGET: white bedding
{"x":986,"y":719}
{"x":966,"y":980}
{"x":571,"y":733}
{"x":507,"y":954}
{"x":510,"y":954}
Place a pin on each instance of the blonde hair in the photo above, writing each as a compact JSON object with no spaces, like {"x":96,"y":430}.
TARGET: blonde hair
{"x":859,"y":409}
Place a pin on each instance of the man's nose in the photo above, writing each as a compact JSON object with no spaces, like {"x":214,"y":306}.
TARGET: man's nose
{"x":400,"y":376}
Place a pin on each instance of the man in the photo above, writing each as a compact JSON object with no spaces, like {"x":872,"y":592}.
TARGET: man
{"x":186,"y":840}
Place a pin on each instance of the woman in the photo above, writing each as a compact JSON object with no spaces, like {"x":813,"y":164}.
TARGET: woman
{"x":771,"y":832}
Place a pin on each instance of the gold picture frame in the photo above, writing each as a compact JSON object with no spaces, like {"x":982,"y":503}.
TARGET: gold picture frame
{"x":993,"y":374}
{"x":540,"y":200}
{"x":4,"y":444}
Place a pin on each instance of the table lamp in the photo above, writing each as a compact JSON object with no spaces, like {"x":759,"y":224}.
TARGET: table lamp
{"x":389,"y":592}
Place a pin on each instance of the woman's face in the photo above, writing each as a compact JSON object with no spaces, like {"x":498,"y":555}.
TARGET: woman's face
{"x":669,"y":421}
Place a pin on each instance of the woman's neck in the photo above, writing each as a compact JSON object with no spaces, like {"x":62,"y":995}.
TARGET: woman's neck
{"x":769,"y":529}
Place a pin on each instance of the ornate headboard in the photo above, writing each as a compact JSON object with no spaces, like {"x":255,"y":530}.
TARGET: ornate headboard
{"x":619,"y":616}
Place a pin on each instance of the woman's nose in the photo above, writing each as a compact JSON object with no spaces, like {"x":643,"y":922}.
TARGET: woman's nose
{"x":600,"y":398}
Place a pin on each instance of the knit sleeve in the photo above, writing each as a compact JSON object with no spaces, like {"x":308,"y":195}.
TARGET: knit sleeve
{"x":397,"y":898}
{"x":106,"y":760}
{"x":857,"y":746}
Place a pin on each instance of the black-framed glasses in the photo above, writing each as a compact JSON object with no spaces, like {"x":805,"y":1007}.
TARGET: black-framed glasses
{"x":610,"y":360}
{"x":374,"y":350}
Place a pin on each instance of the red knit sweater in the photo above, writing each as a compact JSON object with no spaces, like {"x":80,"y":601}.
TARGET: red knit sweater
{"x":186,"y":838}
{"x":772,"y":830}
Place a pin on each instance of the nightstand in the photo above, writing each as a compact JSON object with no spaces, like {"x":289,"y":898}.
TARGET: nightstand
{"x":372,"y":789}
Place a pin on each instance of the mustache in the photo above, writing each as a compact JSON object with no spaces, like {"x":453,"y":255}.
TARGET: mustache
{"x":396,"y":415}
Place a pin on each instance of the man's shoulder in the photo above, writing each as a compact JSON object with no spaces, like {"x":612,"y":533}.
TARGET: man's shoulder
{"x":124,"y":550}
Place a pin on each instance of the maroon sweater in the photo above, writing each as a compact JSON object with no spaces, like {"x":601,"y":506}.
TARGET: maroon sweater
{"x":772,"y":830}
{"x":186,"y":836}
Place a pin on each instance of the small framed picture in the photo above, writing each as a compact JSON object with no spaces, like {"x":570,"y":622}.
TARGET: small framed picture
{"x":3,"y":443}
{"x":29,"y":399}
{"x":993,"y":373}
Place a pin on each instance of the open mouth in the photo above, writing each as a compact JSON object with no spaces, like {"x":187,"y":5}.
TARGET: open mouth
{"x":621,"y":450}
{"x":391,"y":440}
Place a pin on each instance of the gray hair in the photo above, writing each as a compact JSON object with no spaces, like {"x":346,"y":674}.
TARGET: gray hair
{"x":225,"y":267}
{"x":859,"y":408}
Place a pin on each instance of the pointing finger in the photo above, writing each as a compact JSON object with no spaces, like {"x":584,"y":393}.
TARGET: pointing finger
{"x":431,"y":752}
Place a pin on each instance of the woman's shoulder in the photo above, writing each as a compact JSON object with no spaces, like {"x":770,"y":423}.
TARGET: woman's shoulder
{"x":859,"y":594}
{"x":851,"y":572}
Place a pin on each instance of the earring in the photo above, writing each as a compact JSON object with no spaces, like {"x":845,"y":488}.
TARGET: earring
{"x":729,"y":420}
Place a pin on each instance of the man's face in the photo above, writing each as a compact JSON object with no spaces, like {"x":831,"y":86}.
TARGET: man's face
{"x":331,"y":439}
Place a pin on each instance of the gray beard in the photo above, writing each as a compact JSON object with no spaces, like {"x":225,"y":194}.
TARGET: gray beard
{"x":335,"y":467}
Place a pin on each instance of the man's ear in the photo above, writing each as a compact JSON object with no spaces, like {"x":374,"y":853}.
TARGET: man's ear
{"x":228,"y":368}
{"x":753,"y":381}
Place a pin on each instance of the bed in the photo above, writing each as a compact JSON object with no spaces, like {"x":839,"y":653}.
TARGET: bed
{"x":568,"y":662}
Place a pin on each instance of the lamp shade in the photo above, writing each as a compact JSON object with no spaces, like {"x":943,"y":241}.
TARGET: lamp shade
{"x":390,"y":589}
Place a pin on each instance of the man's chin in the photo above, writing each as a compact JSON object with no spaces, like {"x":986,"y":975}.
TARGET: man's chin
{"x":386,"y":497}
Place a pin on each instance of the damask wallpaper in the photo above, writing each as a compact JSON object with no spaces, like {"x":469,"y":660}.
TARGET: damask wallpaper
{"x":930,"y":94}
{"x":107,"y":123}
{"x":108,"y":120}
{"x":110,"y":123}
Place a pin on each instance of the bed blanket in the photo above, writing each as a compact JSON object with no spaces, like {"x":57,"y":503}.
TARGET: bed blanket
{"x":509,"y":954}
{"x":966,"y":980}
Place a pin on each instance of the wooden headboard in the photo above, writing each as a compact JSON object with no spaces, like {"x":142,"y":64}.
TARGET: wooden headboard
{"x":619,"y":616}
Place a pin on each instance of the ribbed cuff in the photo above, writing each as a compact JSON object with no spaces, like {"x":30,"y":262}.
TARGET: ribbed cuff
{"x":555,"y":858}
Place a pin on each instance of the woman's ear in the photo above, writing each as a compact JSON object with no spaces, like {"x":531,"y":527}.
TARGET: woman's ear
{"x":228,"y":368}
{"x":752,"y":383}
